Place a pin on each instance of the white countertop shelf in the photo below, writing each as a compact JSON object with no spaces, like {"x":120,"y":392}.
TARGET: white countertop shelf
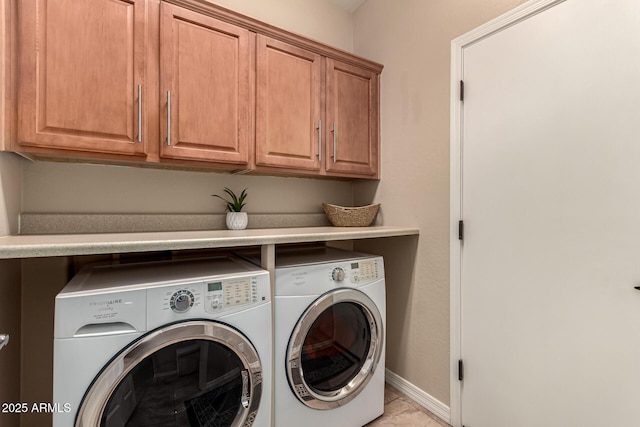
{"x":33,"y":246}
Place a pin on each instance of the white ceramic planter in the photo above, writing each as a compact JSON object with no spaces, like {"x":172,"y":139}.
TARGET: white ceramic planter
{"x":237,"y":220}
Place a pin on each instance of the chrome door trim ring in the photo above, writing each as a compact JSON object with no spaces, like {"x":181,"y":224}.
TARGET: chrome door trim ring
{"x":95,"y":400}
{"x":295,"y":375}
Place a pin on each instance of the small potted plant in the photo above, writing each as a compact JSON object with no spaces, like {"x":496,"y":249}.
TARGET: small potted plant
{"x":236,"y":219}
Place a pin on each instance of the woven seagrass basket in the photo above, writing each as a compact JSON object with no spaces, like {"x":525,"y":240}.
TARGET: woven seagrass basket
{"x":360,"y":216}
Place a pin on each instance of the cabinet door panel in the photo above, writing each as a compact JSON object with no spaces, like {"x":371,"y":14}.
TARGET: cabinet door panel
{"x":81,"y":64}
{"x":352,"y":119}
{"x":288,"y":106}
{"x":205,"y":65}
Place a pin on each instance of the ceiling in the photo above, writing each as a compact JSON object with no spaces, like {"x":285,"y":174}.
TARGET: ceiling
{"x":348,"y":5}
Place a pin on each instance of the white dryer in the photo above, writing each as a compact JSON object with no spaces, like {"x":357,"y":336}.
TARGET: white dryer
{"x":329,"y":337}
{"x":173,"y":343}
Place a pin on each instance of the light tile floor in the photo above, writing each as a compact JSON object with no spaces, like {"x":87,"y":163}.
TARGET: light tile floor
{"x":401,"y":411}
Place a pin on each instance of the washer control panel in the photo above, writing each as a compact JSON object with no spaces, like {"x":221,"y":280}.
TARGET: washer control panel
{"x":205,"y":297}
{"x":231,"y":293}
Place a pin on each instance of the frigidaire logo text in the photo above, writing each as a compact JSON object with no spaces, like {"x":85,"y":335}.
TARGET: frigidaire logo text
{"x":107,"y":302}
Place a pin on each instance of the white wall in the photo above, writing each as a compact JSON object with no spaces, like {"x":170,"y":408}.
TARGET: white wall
{"x":86,"y":188}
{"x":83,"y":188}
{"x":412,"y":38}
{"x":319,"y":20}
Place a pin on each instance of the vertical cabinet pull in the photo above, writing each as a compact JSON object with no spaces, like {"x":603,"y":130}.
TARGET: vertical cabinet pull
{"x":139,"y":113}
{"x":320,"y":140}
{"x":168,"y":117}
{"x":335,"y":141}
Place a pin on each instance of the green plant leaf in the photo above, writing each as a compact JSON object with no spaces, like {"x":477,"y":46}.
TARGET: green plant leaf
{"x":236,"y":203}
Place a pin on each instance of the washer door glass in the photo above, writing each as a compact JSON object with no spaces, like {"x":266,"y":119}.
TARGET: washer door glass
{"x":334,"y":349}
{"x":190,"y":374}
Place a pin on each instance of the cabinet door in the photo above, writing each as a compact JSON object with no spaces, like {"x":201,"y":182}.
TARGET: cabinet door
{"x":205,"y":87}
{"x":288,"y":114}
{"x":352,"y":120}
{"x":82,"y":69}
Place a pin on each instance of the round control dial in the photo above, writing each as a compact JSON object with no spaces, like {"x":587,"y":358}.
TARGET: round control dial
{"x":181,"y":301}
{"x":338,"y":274}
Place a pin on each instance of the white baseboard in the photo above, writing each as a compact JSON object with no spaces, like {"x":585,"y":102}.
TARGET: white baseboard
{"x":422,"y":398}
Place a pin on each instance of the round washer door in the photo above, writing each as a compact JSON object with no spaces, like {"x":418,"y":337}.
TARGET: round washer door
{"x":195,"y":373}
{"x":334,"y":348}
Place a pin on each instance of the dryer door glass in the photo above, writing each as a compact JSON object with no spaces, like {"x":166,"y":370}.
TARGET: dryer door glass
{"x":334,"y":349}
{"x":189,"y":374}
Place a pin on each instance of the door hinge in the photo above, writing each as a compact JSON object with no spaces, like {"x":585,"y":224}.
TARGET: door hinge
{"x":461,"y":90}
{"x":460,"y":370}
{"x":460,"y":230}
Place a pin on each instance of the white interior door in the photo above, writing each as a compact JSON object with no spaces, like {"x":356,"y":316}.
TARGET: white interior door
{"x":550,"y":197}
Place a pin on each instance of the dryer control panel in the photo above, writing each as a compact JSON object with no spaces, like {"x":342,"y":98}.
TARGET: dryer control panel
{"x":318,"y":278}
{"x":364,"y":271}
{"x":356,"y":272}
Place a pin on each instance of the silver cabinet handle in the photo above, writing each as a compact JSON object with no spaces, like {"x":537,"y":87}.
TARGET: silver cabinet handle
{"x":139,"y":113}
{"x":320,"y":140}
{"x":4,"y":340}
{"x":335,"y":141}
{"x":168,"y":117}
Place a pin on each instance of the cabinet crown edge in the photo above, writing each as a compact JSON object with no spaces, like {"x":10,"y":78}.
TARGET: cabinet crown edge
{"x":209,"y":8}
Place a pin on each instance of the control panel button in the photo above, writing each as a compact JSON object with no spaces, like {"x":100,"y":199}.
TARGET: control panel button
{"x":181,"y":301}
{"x":338,"y":274}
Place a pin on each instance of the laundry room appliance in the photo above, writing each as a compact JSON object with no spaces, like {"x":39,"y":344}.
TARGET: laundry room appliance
{"x":171,"y":343}
{"x":329,"y":337}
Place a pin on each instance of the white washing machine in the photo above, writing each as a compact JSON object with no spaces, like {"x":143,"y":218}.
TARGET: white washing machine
{"x":172,"y":343}
{"x":329,"y":337}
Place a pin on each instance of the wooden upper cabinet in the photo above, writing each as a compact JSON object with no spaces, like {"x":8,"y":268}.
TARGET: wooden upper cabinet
{"x":82,"y":66}
{"x":352,"y":96}
{"x":288,"y":106}
{"x":186,"y":82}
{"x":205,"y":88}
